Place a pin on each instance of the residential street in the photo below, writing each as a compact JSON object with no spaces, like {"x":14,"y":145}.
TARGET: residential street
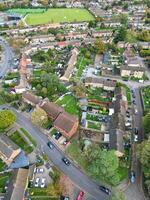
{"x":8,"y":56}
{"x":55,"y":155}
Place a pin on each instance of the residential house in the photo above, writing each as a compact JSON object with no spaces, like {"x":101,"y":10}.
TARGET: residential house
{"x":71,"y":65}
{"x":108,"y":85}
{"x":30,"y":98}
{"x":52,"y":110}
{"x":18,"y":185}
{"x":67,"y":124}
{"x":8,"y":150}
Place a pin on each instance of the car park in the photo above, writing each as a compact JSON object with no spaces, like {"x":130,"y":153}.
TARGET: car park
{"x":66,"y":161}
{"x":80,"y":195}
{"x":105,"y":189}
{"x":50,"y":145}
{"x":43,"y":182}
{"x":37,"y":181}
{"x":132,"y":176}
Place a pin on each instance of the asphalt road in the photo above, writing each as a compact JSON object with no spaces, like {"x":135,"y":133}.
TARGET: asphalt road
{"x":55,"y":155}
{"x":8,"y":56}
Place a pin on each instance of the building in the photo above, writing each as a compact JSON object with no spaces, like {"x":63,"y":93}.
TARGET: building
{"x":8,"y":150}
{"x":31,"y":99}
{"x":18,"y":185}
{"x":67,"y":124}
{"x":51,"y":109}
{"x":136,"y":72}
{"x":71,"y":65}
{"x":108,"y":85}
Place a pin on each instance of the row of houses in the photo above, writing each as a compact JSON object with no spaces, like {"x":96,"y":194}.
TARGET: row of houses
{"x":63,"y":122}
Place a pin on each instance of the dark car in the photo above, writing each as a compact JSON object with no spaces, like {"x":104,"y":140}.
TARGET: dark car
{"x":132,"y":176}
{"x":58,"y":135}
{"x":133,"y":102}
{"x":105,"y":189}
{"x":66,"y":161}
{"x":136,"y":131}
{"x":50,"y":145}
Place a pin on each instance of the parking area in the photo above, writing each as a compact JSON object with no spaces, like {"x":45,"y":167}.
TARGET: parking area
{"x":41,"y":177}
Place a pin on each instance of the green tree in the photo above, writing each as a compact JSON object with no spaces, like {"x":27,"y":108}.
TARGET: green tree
{"x":146,"y":124}
{"x":124,"y":19}
{"x":120,"y":35}
{"x":103,"y":165}
{"x":99,"y":46}
{"x":7,"y":118}
{"x":39,"y":117}
{"x":143,"y":153}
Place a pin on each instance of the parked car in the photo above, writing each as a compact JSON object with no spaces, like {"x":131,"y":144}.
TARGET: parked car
{"x":66,"y":161}
{"x":50,"y":145}
{"x":134,"y":102}
{"x":80,"y":195}
{"x":132,"y":176}
{"x":39,"y":170}
{"x":43,"y":181}
{"x":58,"y":135}
{"x":37,"y":181}
{"x":105,"y":189}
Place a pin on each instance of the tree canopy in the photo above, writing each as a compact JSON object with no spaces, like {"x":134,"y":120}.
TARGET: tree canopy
{"x":146,"y":124}
{"x":7,"y":118}
{"x":39,"y":117}
{"x":143,"y":153}
{"x":104,"y":165}
{"x":99,"y":46}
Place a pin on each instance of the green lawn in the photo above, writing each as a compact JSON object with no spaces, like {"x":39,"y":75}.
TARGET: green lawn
{"x":94,"y":125}
{"x":24,"y":11}
{"x":20,"y":141}
{"x":29,"y":137}
{"x":2,"y":165}
{"x":57,"y":15}
{"x":4,"y":178}
{"x":146,"y":96}
{"x":74,"y":151}
{"x":69,"y":103}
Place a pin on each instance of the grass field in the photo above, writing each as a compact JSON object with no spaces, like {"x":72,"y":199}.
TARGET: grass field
{"x":54,"y":15}
{"x":24,"y":11}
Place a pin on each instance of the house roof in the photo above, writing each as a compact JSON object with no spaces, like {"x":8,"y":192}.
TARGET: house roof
{"x":94,"y":80}
{"x":31,"y":98}
{"x":51,"y":109}
{"x":7,"y":146}
{"x":116,"y":140}
{"x":117,"y":121}
{"x":17,"y":185}
{"x":65,"y":122}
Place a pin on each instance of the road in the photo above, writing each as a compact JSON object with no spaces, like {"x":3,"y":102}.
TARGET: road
{"x":134,"y":191}
{"x":55,"y":155}
{"x":6,"y":60}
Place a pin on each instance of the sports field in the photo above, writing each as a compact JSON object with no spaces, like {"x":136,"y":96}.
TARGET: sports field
{"x":54,"y":15}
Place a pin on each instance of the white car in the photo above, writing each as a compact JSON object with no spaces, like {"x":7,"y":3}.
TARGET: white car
{"x":37,"y":182}
{"x":135,"y":138}
{"x":39,"y":170}
{"x":43,"y":182}
{"x":136,"y":111}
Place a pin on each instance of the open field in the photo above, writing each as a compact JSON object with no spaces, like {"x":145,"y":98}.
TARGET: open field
{"x":24,"y":11}
{"x":54,"y":15}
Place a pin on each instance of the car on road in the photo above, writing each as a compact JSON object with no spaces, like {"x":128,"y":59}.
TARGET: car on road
{"x":136,"y":110}
{"x":134,"y":102}
{"x":66,"y":161}
{"x":80,"y":195}
{"x":132,"y":176}
{"x":105,"y":189}
{"x":135,"y":138}
{"x":50,"y":145}
{"x":37,"y":181}
{"x":43,"y":182}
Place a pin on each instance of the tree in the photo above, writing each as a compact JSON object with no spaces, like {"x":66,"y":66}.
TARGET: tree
{"x":99,"y":46}
{"x":143,"y":153}
{"x":120,"y":35}
{"x":7,"y":118}
{"x":146,"y":123}
{"x":39,"y":117}
{"x":124,"y":19}
{"x":131,"y":36}
{"x":144,"y":36}
{"x":103,"y":165}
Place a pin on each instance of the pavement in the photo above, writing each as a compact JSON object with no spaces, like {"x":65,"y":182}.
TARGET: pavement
{"x":5,"y":64}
